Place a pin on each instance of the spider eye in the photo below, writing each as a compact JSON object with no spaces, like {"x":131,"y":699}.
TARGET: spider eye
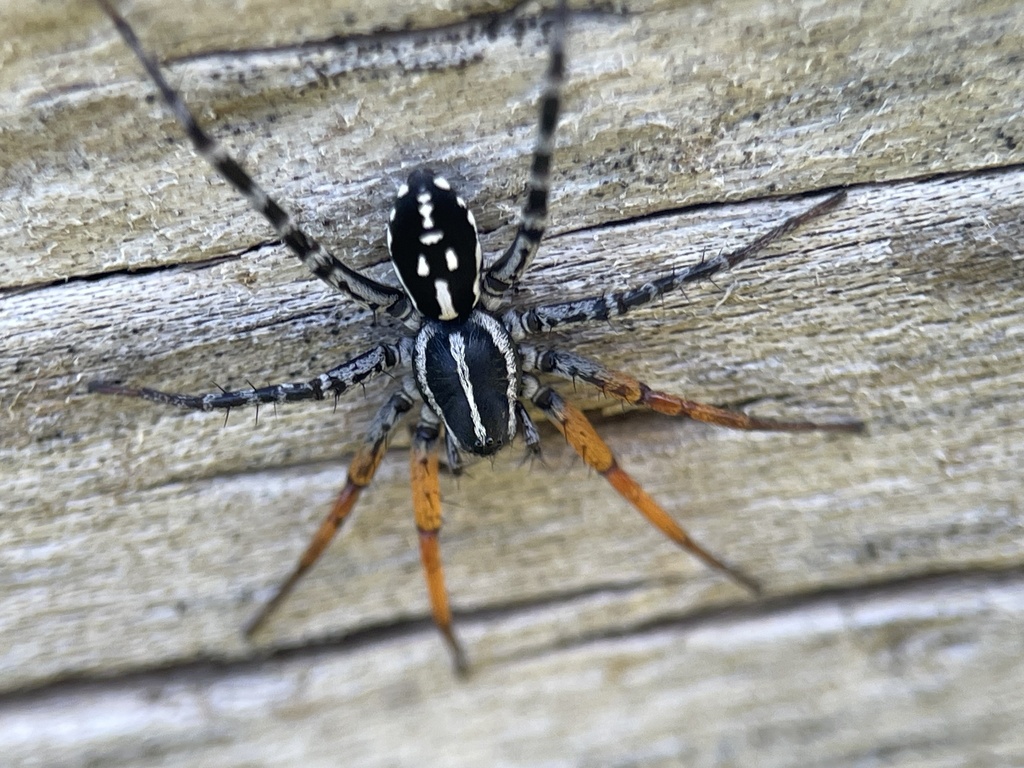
{"x":434,"y":247}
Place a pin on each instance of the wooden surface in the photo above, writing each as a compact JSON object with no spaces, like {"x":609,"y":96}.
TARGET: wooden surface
{"x":136,"y":540}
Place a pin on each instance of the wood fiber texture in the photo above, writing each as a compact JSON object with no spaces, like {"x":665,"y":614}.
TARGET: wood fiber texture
{"x":135,"y":540}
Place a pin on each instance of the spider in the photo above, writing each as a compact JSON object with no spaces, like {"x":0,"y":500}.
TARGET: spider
{"x":466,"y":359}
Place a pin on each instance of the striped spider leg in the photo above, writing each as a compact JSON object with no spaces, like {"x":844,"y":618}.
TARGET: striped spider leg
{"x":607,"y":306}
{"x":316,"y":258}
{"x":507,"y":270}
{"x":335,"y":382}
{"x":580,"y":433}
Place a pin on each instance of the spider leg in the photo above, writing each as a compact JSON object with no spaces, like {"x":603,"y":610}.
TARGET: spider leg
{"x":507,"y":270}
{"x":564,"y":313}
{"x":360,"y":473}
{"x":426,"y":502}
{"x":618,"y":384}
{"x":530,"y":433}
{"x":452,"y":455}
{"x":335,"y":381}
{"x":316,"y":258}
{"x":581,"y":435}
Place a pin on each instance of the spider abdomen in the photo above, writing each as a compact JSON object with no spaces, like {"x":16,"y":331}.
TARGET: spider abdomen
{"x":468,"y":372}
{"x":434,"y":247}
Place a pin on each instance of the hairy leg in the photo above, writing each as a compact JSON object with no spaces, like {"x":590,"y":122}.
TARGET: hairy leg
{"x":630,"y":390}
{"x":360,"y":474}
{"x":581,"y":435}
{"x":317,"y":259}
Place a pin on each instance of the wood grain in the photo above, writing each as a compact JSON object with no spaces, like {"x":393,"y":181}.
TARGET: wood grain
{"x":135,"y":540}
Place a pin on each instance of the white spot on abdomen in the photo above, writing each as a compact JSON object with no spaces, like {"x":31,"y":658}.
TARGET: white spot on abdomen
{"x":444,"y":300}
{"x":426,"y":211}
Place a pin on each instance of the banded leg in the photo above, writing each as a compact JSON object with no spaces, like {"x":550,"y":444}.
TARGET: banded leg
{"x":317,"y":259}
{"x":581,"y":435}
{"x":530,"y":434}
{"x":360,"y":473}
{"x":621,"y":385}
{"x":426,"y":503}
{"x":507,"y":270}
{"x":336,"y":381}
{"x":565,"y":313}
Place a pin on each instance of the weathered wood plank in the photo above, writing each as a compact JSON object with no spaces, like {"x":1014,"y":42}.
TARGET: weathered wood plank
{"x":837,"y":680}
{"x":134,"y":538}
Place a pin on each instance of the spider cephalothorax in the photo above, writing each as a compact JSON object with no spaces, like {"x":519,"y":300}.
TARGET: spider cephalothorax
{"x":468,"y":372}
{"x":469,"y":363}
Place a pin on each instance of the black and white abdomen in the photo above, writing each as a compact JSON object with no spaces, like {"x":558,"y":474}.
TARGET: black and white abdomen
{"x":468,"y":373}
{"x":433,"y":244}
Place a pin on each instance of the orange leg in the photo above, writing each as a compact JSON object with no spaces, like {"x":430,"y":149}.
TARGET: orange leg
{"x":580,"y":434}
{"x":630,"y":390}
{"x":360,"y":473}
{"x":426,"y":502}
